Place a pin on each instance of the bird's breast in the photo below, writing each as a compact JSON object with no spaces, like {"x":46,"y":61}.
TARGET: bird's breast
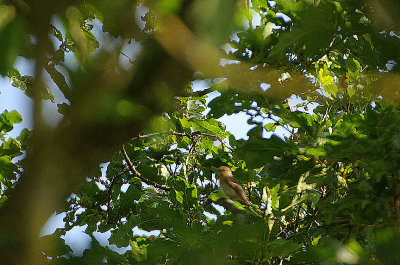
{"x":229,"y":191}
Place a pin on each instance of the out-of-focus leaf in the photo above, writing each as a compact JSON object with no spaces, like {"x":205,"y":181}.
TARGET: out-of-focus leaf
{"x":25,"y":83}
{"x":258,"y":152}
{"x":282,"y":248}
{"x":15,"y":40}
{"x":7,"y":119}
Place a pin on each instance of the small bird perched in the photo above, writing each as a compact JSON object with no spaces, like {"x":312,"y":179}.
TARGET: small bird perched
{"x":230,"y":186}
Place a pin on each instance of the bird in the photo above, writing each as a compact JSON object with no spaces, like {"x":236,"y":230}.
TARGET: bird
{"x":230,"y":186}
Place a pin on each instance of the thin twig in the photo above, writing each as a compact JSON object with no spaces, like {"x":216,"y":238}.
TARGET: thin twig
{"x":109,"y":190}
{"x":148,"y":135}
{"x":114,"y":179}
{"x":184,"y":134}
{"x":202,"y":92}
{"x":137,"y":173}
{"x":130,"y":60}
{"x":327,"y":51}
{"x":214,"y":136}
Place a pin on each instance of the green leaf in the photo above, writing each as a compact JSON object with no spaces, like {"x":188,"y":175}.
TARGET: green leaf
{"x":63,"y":108}
{"x":387,"y":242}
{"x":196,"y":108}
{"x":298,"y":199}
{"x":217,"y":195}
{"x":56,"y":33}
{"x":26,"y":84}
{"x":282,"y":248}
{"x":11,"y":148}
{"x":270,"y":127}
{"x":258,"y":152}
{"x":121,"y":237}
{"x":351,"y":90}
{"x":353,"y":65}
{"x":302,"y":185}
{"x":8,"y":119}
{"x":92,"y":43}
{"x":176,"y":196}
{"x":327,"y":81}
{"x":54,"y":246}
{"x":5,"y":162}
{"x":314,"y":29}
{"x":316,"y":152}
{"x":15,"y":38}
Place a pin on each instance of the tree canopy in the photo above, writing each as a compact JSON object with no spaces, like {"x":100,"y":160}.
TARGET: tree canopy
{"x":137,"y":146}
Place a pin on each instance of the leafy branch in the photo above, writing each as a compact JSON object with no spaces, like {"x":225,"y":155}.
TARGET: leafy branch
{"x":134,"y":171}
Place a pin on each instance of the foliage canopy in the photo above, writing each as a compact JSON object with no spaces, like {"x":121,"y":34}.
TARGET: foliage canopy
{"x":325,"y":72}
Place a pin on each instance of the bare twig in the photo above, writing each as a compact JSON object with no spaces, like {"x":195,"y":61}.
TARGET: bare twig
{"x":130,"y":60}
{"x":137,"y":173}
{"x":201,"y":93}
{"x":327,"y":51}
{"x":112,"y":183}
{"x":214,"y":136}
{"x":148,"y":135}
{"x":113,"y":180}
{"x":184,"y":134}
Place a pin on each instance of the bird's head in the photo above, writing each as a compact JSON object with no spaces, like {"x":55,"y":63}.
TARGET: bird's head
{"x":223,"y":171}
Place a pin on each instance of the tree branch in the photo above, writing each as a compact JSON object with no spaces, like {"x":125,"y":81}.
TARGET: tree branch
{"x":132,"y":168}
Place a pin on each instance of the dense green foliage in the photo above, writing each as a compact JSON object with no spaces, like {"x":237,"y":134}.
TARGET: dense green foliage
{"x":10,"y":149}
{"x":325,"y":72}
